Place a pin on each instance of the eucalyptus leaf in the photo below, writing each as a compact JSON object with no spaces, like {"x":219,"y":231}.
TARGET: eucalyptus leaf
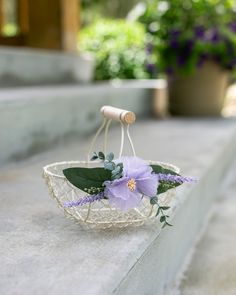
{"x":86,"y":178}
{"x":94,"y":157}
{"x":101,"y":156}
{"x":154,"y":200}
{"x":110,"y":157}
{"x":163,"y":218}
{"x":109,"y":165}
{"x":165,"y":208}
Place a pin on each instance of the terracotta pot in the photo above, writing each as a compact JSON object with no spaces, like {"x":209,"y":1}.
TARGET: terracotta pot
{"x":199,"y":94}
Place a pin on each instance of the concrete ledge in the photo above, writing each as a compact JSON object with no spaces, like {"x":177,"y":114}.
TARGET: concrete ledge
{"x":20,"y":66}
{"x":34,"y":118}
{"x":43,"y":252}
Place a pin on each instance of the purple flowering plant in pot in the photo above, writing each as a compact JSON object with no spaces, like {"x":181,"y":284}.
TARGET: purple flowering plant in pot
{"x":195,"y":42}
{"x":124,"y":182}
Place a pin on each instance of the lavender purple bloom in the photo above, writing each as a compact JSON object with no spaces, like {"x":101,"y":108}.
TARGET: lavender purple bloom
{"x":137,"y":180}
{"x":174,"y":178}
{"x":85,"y":200}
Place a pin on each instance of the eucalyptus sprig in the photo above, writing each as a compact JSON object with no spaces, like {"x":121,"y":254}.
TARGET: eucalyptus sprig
{"x":109,"y":164}
{"x":160,"y":210}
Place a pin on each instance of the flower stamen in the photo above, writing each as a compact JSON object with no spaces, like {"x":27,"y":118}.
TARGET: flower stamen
{"x":131,"y":184}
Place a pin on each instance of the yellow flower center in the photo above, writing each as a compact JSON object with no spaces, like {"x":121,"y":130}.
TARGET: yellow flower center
{"x":131,"y":184}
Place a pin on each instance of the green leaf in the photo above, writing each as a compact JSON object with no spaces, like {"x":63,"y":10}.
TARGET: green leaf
{"x":164,"y":185}
{"x":165,"y":208}
{"x":166,"y":223}
{"x":163,"y":218}
{"x":158,"y":211}
{"x":101,"y":156}
{"x":159,"y":169}
{"x":94,"y":157}
{"x":110,"y":157}
{"x":86,"y":178}
{"x":153,"y":200}
{"x":109,"y":165}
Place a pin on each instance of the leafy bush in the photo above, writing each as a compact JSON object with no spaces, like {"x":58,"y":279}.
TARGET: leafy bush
{"x":119,"y":49}
{"x":188,"y":32}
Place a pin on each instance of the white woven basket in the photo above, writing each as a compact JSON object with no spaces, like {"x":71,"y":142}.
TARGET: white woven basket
{"x":100,"y":214}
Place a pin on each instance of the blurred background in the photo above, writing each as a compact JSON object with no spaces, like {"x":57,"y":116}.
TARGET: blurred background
{"x":159,"y":58}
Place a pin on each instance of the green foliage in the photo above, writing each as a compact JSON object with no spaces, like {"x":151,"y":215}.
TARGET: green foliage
{"x":164,"y":185}
{"x":118,"y":47}
{"x":188,"y":32}
{"x":160,"y":211}
{"x":106,"y":8}
{"x":89,"y":180}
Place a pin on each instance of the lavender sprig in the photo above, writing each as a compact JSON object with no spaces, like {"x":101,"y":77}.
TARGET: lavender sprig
{"x":85,"y":200}
{"x":175,"y":178}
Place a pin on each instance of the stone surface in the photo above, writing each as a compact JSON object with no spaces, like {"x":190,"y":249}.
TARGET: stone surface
{"x":20,"y":66}
{"x":42,"y":252}
{"x":33,"y":118}
{"x":213,"y":267}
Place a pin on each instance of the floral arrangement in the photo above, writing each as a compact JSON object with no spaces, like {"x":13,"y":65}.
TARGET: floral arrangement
{"x":124,"y":182}
{"x":184,"y":34}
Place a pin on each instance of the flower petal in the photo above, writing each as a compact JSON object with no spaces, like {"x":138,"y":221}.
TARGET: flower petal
{"x":148,"y":185}
{"x":117,"y":188}
{"x":134,"y":167}
{"x":133,"y":201}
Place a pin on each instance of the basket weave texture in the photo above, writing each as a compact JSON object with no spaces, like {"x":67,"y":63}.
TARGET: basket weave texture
{"x":98,"y":214}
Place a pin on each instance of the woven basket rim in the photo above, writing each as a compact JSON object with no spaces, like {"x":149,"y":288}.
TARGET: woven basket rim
{"x":47,"y":171}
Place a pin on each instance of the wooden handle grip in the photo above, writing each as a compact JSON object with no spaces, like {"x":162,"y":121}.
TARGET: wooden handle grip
{"x":118,"y":114}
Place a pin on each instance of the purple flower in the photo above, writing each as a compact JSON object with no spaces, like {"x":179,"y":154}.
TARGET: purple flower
{"x":233,"y":27}
{"x":86,"y":200}
{"x":181,"y":60}
{"x":149,"y":48}
{"x":199,"y":32}
{"x":175,"y":178}
{"x":174,"y":44}
{"x":174,"y":33}
{"x":137,"y":180}
{"x":151,"y":68}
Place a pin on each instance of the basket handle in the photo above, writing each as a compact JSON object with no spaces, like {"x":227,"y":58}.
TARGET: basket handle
{"x":117,"y":114}
{"x":124,"y":117}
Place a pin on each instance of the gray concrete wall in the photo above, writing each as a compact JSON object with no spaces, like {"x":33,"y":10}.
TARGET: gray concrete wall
{"x":32,"y":119}
{"x":20,"y":66}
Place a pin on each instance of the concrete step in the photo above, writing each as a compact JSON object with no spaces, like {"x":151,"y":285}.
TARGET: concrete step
{"x":42,"y":252}
{"x":33,"y":118}
{"x":27,"y":66}
{"x":215,"y":253}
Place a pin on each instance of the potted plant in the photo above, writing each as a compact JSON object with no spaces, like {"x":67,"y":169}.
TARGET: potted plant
{"x":196,"y":44}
